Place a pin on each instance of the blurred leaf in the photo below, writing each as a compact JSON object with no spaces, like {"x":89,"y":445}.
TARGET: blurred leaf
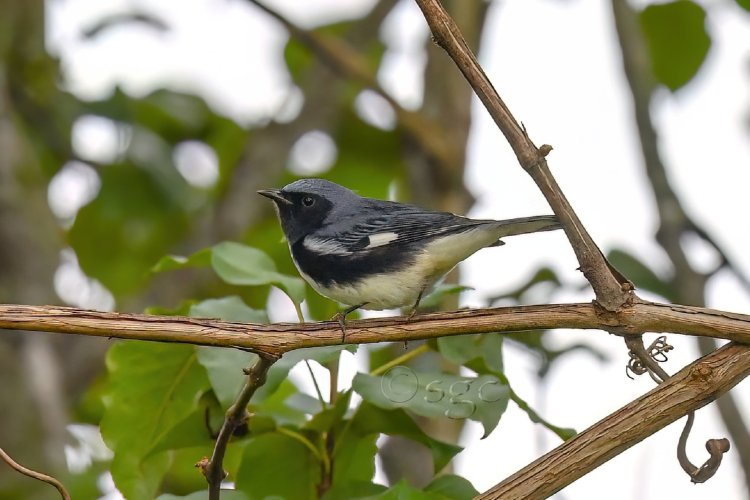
{"x":280,"y":370}
{"x":403,"y":491}
{"x":452,"y":487}
{"x":354,"y":458}
{"x":224,"y":366}
{"x":482,"y":398}
{"x":330,"y":416}
{"x":203,"y":495}
{"x":279,"y":465}
{"x":745,"y":4}
{"x":543,"y":275}
{"x":273,"y":405}
{"x":677,"y":40}
{"x":239,"y":264}
{"x":440,"y":292}
{"x":190,"y":432}
{"x":183,"y":309}
{"x":353,"y":489}
{"x":150,"y":390}
{"x":201,"y":258}
{"x":131,"y":223}
{"x":370,"y":419}
{"x":230,"y":308}
{"x":563,"y":433}
{"x":641,"y":275}
{"x":459,"y":349}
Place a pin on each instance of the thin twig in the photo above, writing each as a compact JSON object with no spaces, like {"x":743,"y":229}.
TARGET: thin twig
{"x":36,"y":475}
{"x":213,"y":469}
{"x":612,"y":290}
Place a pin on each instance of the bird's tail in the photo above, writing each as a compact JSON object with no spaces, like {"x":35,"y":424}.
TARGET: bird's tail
{"x":524,"y":225}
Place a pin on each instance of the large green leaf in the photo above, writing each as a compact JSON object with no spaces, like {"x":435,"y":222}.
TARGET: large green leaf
{"x":276,"y":464}
{"x":203,"y":495}
{"x":482,"y":398}
{"x":403,"y":491}
{"x":452,"y":487}
{"x":239,"y":264}
{"x":745,"y":4}
{"x":130,"y":224}
{"x":370,"y":419}
{"x":224,"y":366}
{"x":677,"y":40}
{"x":150,"y":389}
{"x":459,"y":349}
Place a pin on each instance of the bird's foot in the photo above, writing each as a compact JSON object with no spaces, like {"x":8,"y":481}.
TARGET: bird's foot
{"x":341,"y":318}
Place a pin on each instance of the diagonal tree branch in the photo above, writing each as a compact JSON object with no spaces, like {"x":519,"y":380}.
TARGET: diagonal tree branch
{"x":612,"y":290}
{"x":693,"y":387}
{"x":275,"y":339}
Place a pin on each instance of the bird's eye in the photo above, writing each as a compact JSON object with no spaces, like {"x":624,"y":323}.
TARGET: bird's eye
{"x":308,"y":201}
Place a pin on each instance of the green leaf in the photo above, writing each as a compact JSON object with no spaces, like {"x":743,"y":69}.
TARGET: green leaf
{"x":745,"y":4}
{"x":402,"y":491}
{"x":239,"y":264}
{"x":439,"y":293}
{"x":452,"y":487}
{"x":230,"y":308}
{"x":677,"y":40}
{"x":150,"y":389}
{"x":642,"y":276}
{"x":191,"y":431}
{"x":201,"y":258}
{"x":131,"y":223}
{"x":280,"y":369}
{"x":203,"y":495}
{"x":353,"y":489}
{"x":354,"y":458}
{"x":462,"y":348}
{"x":330,"y":416}
{"x":482,"y":398}
{"x":370,"y":419}
{"x":224,"y":366}
{"x":277,"y":464}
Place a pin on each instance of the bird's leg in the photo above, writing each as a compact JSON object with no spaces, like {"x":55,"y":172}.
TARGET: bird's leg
{"x":414,"y":311}
{"x":341,"y":318}
{"x":416,"y":304}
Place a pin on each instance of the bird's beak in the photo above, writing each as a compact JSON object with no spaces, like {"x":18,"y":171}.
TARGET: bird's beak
{"x":275,"y":195}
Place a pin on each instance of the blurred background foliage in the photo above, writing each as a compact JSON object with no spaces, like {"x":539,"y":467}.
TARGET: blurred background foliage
{"x":148,"y":223}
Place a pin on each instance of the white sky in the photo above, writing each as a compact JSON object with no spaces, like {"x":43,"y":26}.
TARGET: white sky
{"x":557,"y":65}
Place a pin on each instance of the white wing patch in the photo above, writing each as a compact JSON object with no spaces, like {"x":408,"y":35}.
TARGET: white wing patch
{"x":326,"y":247}
{"x":380,"y":239}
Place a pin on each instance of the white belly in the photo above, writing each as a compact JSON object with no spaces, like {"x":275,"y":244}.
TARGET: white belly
{"x":402,"y":288}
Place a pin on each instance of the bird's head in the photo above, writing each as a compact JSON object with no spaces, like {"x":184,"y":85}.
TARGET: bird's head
{"x":304,"y":205}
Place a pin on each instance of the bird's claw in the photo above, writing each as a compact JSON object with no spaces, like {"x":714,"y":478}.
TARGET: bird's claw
{"x":341,"y":318}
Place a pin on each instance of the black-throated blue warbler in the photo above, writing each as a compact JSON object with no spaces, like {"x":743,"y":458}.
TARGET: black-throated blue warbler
{"x":377,"y":254}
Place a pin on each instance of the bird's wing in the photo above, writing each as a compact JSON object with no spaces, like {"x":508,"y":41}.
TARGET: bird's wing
{"x":393,"y":225}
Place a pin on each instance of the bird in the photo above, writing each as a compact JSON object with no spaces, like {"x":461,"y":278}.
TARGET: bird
{"x":375,"y":254}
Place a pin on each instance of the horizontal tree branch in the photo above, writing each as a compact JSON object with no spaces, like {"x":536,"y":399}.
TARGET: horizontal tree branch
{"x":276,"y":339}
{"x":693,"y":387}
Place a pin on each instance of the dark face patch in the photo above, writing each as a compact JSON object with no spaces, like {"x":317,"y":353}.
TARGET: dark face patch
{"x":304,"y":214}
